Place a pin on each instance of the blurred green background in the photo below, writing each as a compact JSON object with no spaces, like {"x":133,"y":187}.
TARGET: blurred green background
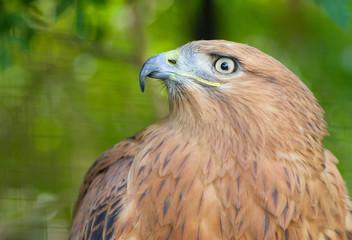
{"x":69,"y":84}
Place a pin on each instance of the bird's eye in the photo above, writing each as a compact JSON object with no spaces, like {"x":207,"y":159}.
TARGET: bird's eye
{"x":226,"y":65}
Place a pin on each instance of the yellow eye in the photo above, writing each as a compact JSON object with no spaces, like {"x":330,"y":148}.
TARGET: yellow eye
{"x":226,"y":65}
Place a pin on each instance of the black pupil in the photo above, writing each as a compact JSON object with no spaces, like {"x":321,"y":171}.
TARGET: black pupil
{"x":224,"y":66}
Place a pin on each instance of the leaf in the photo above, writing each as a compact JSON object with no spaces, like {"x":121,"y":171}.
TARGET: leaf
{"x":80,"y":22}
{"x":338,"y":10}
{"x":5,"y":58}
{"x":63,"y":5}
{"x":100,"y":2}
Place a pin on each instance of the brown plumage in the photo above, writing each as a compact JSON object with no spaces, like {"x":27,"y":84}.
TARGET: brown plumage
{"x":240,"y":156}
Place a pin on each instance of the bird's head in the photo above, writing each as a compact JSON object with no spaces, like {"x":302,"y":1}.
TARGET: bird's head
{"x":237,"y":90}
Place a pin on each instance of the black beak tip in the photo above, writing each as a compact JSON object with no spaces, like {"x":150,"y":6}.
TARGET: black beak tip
{"x":142,"y":87}
{"x":142,"y":77}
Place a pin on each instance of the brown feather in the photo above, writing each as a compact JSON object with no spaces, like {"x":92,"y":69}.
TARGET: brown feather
{"x":240,"y":161}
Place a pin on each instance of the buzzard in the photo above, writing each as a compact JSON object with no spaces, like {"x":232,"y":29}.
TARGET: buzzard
{"x":239,"y":156}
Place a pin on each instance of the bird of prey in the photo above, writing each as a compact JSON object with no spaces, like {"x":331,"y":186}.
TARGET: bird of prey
{"x":239,"y":156}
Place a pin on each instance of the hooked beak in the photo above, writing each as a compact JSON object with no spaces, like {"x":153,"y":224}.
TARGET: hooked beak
{"x":161,"y":66}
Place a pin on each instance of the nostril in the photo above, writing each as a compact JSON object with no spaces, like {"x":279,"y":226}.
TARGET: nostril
{"x":172,"y":61}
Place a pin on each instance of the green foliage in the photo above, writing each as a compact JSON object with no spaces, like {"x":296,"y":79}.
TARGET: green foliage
{"x":69,"y":84}
{"x":339,"y":11}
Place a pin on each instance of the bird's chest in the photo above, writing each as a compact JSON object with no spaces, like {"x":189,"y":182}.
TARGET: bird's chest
{"x":178,"y":191}
{"x":183,"y":193}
